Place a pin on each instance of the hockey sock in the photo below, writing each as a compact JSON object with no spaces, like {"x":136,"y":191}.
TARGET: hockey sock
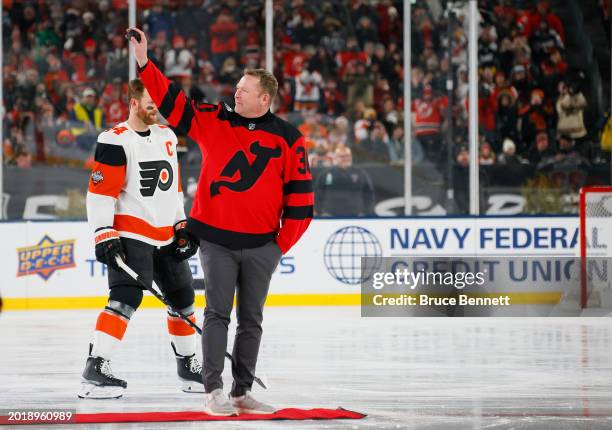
{"x":110,"y":328}
{"x":182,"y":334}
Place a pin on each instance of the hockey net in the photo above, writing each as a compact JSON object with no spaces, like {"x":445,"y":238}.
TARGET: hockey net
{"x":596,"y":247}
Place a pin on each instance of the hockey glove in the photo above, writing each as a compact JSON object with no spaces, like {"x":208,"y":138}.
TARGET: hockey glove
{"x":185,"y":245}
{"x":108,"y":247}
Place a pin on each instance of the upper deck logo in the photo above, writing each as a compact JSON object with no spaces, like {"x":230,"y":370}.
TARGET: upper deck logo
{"x":45,"y":258}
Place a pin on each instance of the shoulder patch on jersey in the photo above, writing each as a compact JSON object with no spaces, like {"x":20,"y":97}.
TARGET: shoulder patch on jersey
{"x":162,"y":126}
{"x":97,"y":177}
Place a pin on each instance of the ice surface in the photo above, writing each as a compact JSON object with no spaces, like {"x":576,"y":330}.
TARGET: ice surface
{"x":405,"y":373}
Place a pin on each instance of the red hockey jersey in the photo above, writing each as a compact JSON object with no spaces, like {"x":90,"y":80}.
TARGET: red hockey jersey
{"x":254,"y":172}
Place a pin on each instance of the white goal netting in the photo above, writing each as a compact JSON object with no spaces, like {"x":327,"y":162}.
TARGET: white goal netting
{"x":596,"y":247}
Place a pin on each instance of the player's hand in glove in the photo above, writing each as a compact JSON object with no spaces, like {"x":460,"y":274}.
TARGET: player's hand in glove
{"x":108,"y":247}
{"x":185,"y":245}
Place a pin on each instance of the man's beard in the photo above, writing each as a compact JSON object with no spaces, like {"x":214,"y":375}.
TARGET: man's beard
{"x":147,"y":117}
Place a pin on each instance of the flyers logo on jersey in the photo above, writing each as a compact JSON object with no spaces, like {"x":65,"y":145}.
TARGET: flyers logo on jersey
{"x":155,"y":174}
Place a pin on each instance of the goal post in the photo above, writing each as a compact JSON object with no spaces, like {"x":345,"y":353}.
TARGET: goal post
{"x":596,"y":247}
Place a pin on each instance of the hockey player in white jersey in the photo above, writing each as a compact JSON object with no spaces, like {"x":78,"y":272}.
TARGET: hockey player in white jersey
{"x":135,"y":209}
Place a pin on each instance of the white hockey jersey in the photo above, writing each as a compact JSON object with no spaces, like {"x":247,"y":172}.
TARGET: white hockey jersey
{"x":135,"y":188}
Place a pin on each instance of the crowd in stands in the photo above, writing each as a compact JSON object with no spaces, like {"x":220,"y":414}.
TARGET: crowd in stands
{"x":339,"y":65}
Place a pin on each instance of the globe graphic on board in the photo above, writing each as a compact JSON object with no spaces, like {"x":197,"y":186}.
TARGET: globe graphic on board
{"x":343,"y":251}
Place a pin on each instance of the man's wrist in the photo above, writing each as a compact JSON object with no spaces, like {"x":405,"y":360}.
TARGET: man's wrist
{"x":143,"y":63}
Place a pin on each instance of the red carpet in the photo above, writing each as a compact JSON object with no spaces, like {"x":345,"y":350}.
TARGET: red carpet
{"x":283,"y":414}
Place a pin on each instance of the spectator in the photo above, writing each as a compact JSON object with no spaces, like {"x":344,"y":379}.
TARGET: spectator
{"x":509,"y":155}
{"x":308,"y":90}
{"x":390,"y":115}
{"x":191,"y":90}
{"x":349,"y":56}
{"x":88,"y":120}
{"x":115,"y":103}
{"x":313,"y":131}
{"x":23,"y":158}
{"x":382,"y":61}
{"x":365,"y":31}
{"x":487,"y":46}
{"x":323,"y":62}
{"x":117,"y":59}
{"x":567,"y":154}
{"x":520,"y":80}
{"x":541,"y":154}
{"x":376,"y":146}
{"x":208,"y":83}
{"x":344,"y":190}
{"x":321,"y":156}
{"x":332,"y":102}
{"x":307,"y":31}
{"x":293,"y":60}
{"x":535,"y":117}
{"x":229,"y":73}
{"x":223,"y":38}
{"x":543,"y":41}
{"x":486,"y":155}
{"x":463,"y":157}
{"x":427,"y":116}
{"x":360,"y":84}
{"x":191,"y":18}
{"x":339,"y":134}
{"x":158,"y":20}
{"x":178,"y":61}
{"x":543,"y":13}
{"x":551,"y":71}
{"x":460,"y":180}
{"x":506,"y":117}
{"x":94,"y":62}
{"x":570,"y":107}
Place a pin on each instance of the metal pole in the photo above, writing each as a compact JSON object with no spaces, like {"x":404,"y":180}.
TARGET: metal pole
{"x":269,"y":36}
{"x":407,"y":108}
{"x":132,"y":23}
{"x":473,"y":113}
{"x":1,"y":124}
{"x":450,"y":194}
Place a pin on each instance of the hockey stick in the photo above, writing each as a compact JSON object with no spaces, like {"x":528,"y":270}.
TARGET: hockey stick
{"x":127,"y":269}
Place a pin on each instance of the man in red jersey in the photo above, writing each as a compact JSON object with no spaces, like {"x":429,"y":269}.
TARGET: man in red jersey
{"x":253,"y":203}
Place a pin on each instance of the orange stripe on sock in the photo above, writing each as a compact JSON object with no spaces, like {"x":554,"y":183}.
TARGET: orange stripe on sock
{"x":111,"y":324}
{"x":178,"y":327}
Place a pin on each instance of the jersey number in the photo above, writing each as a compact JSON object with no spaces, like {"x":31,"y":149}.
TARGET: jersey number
{"x":303,"y":167}
{"x":118,"y":130}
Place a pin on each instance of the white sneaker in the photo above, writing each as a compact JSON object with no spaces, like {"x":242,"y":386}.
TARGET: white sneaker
{"x":248,"y":405}
{"x":217,"y":404}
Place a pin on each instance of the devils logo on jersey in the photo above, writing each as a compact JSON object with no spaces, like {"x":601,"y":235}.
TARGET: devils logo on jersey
{"x":249,"y":173}
{"x":155,"y":174}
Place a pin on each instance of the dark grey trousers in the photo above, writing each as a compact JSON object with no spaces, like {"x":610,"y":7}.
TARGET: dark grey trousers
{"x":246,"y":272}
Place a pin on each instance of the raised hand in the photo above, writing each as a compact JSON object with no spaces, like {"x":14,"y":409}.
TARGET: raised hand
{"x":140,"y":46}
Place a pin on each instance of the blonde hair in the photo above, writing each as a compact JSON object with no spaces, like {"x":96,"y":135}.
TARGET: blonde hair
{"x":267,"y":81}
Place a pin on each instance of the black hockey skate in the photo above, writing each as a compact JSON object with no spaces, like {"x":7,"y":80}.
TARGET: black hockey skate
{"x":189,"y":371}
{"x":98,"y":380}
